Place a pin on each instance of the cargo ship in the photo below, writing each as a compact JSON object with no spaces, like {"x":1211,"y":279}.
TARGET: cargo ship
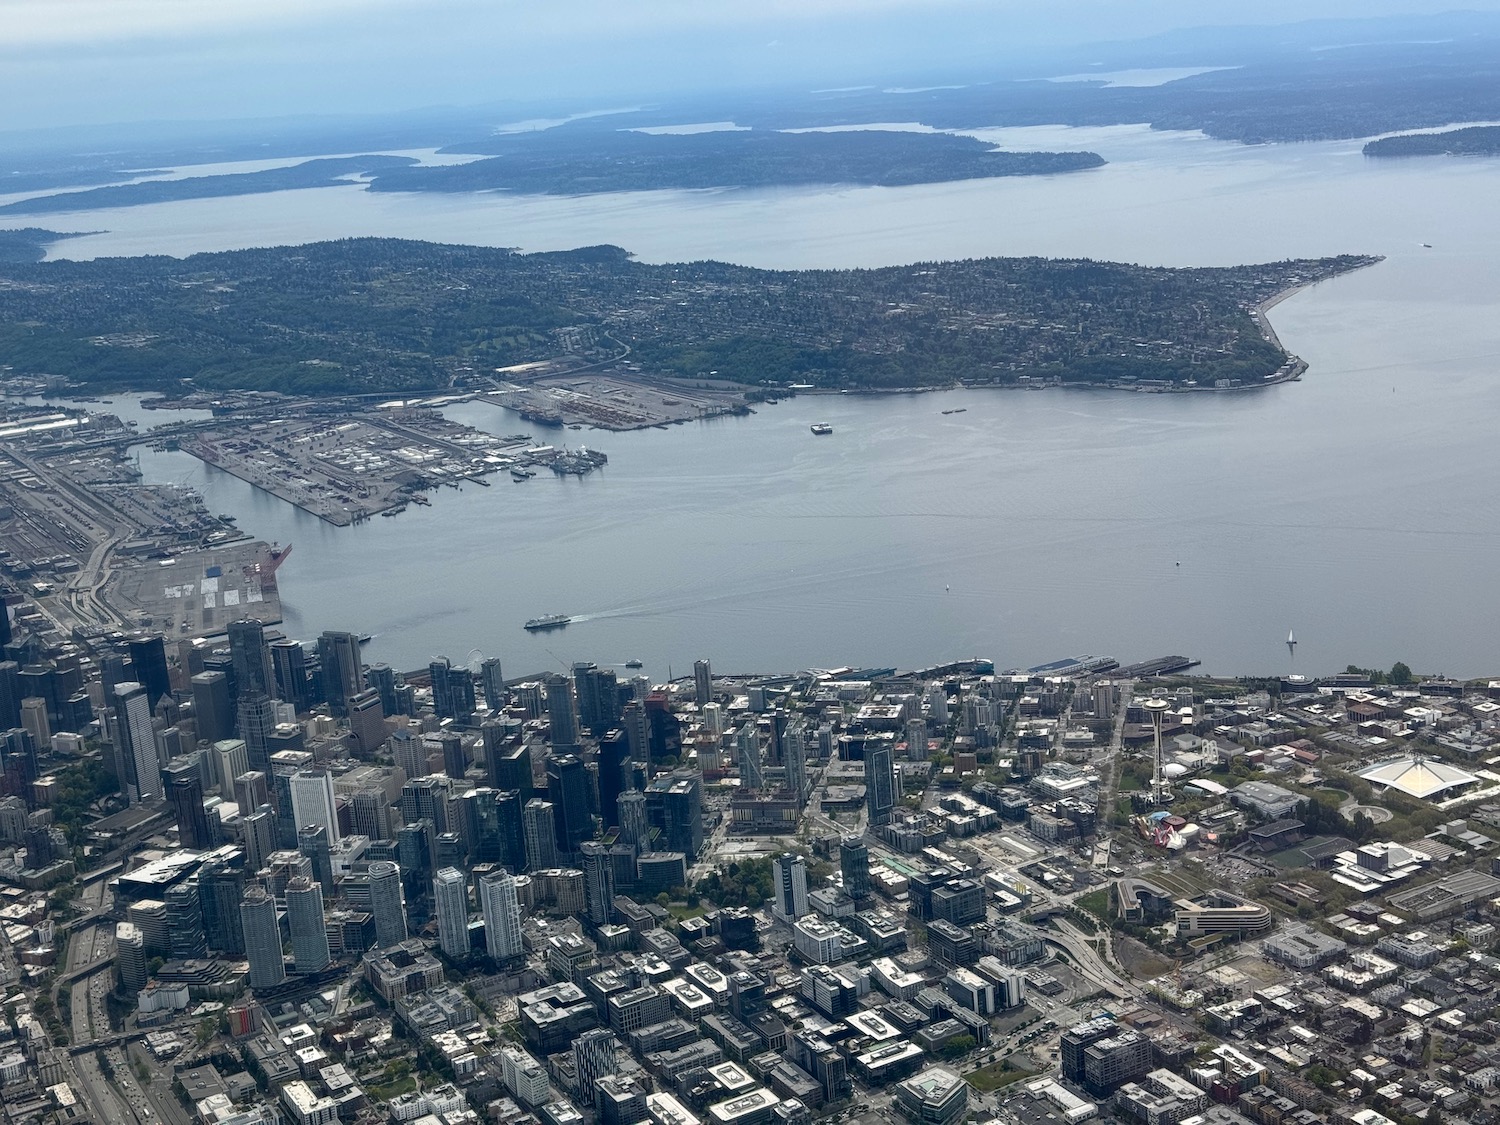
{"x":551,"y":621}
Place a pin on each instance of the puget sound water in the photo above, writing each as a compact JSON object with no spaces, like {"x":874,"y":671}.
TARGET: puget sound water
{"x":1356,"y":507}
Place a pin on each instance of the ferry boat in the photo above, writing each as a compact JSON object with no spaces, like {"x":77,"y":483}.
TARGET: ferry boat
{"x":551,"y":621}
{"x":634,"y":664}
{"x":821,"y":428}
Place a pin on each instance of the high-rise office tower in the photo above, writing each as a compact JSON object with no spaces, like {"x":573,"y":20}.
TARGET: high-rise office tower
{"x":409,"y":752}
{"x":703,"y":683}
{"x":441,"y":672}
{"x":258,"y":832}
{"x":747,"y":747}
{"x":312,"y":802}
{"x":342,"y":669}
{"x":541,"y":834}
{"x":455,"y":761}
{"x":137,"y":743}
{"x":635,"y":828}
{"x":312,"y":841}
{"x":130,"y":956}
{"x":674,"y":804}
{"x":251,"y":790}
{"x":34,"y":720}
{"x":568,"y":790}
{"x":880,"y":781}
{"x":289,"y":674}
{"x":18,"y":754}
{"x":854,"y":863}
{"x":598,"y":883}
{"x":790,"y":886}
{"x":221,"y":886}
{"x":186,"y":796}
{"x":40,"y":852}
{"x":414,"y":848}
{"x":387,"y":904}
{"x":211,"y":710}
{"x":794,"y":747}
{"x":262,"y":939}
{"x":382,"y":679}
{"x":255,"y":720}
{"x":450,"y":902}
{"x":366,"y":721}
{"x":10,"y":694}
{"x":479,"y":825}
{"x":502,"y":915}
{"x":492,"y":734}
{"x":252,"y":658}
{"x":662,"y":727}
{"x":512,"y":770}
{"x":593,"y":1058}
{"x":148,"y":655}
{"x":637,"y":732}
{"x":598,"y":697}
{"x":614,"y":756}
{"x":562,"y":724}
{"x":304,"y":917}
{"x":426,"y":798}
{"x":230,"y":758}
{"x":493,"y":682}
{"x":185,"y":936}
{"x":916,"y":740}
{"x":509,"y":811}
{"x":369,"y":814}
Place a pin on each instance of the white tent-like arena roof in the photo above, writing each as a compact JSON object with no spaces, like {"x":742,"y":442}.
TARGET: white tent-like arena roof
{"x":1417,"y":776}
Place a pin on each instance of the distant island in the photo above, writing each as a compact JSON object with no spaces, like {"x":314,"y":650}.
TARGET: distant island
{"x":388,"y":316}
{"x":1476,"y":140}
{"x":329,"y":172}
{"x":578,"y":161}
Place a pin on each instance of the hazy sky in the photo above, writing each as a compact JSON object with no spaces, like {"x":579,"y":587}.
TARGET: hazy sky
{"x":89,"y":61}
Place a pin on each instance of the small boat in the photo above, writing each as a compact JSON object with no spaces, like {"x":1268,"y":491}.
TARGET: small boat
{"x":821,"y":428}
{"x":551,"y":621}
{"x":634,"y":664}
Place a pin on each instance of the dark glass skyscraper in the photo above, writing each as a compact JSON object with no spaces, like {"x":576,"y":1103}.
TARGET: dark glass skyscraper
{"x":148,"y":654}
{"x":186,"y":795}
{"x":854,"y":864}
{"x":674,"y":804}
{"x":562,"y":725}
{"x":568,"y":790}
{"x":341,"y":668}
{"x":252,"y":658}
{"x":289,"y":664}
{"x":220,"y":889}
{"x":386,"y":903}
{"x":880,"y":780}
{"x":614,"y":754}
{"x":211,"y":710}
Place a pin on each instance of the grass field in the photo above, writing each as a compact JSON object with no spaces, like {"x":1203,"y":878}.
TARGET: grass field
{"x":996,"y":1075}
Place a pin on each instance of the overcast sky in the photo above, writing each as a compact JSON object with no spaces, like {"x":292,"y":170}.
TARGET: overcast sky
{"x":93,"y":61}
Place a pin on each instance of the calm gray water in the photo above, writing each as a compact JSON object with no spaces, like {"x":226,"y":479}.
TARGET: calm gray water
{"x":1355,"y":507}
